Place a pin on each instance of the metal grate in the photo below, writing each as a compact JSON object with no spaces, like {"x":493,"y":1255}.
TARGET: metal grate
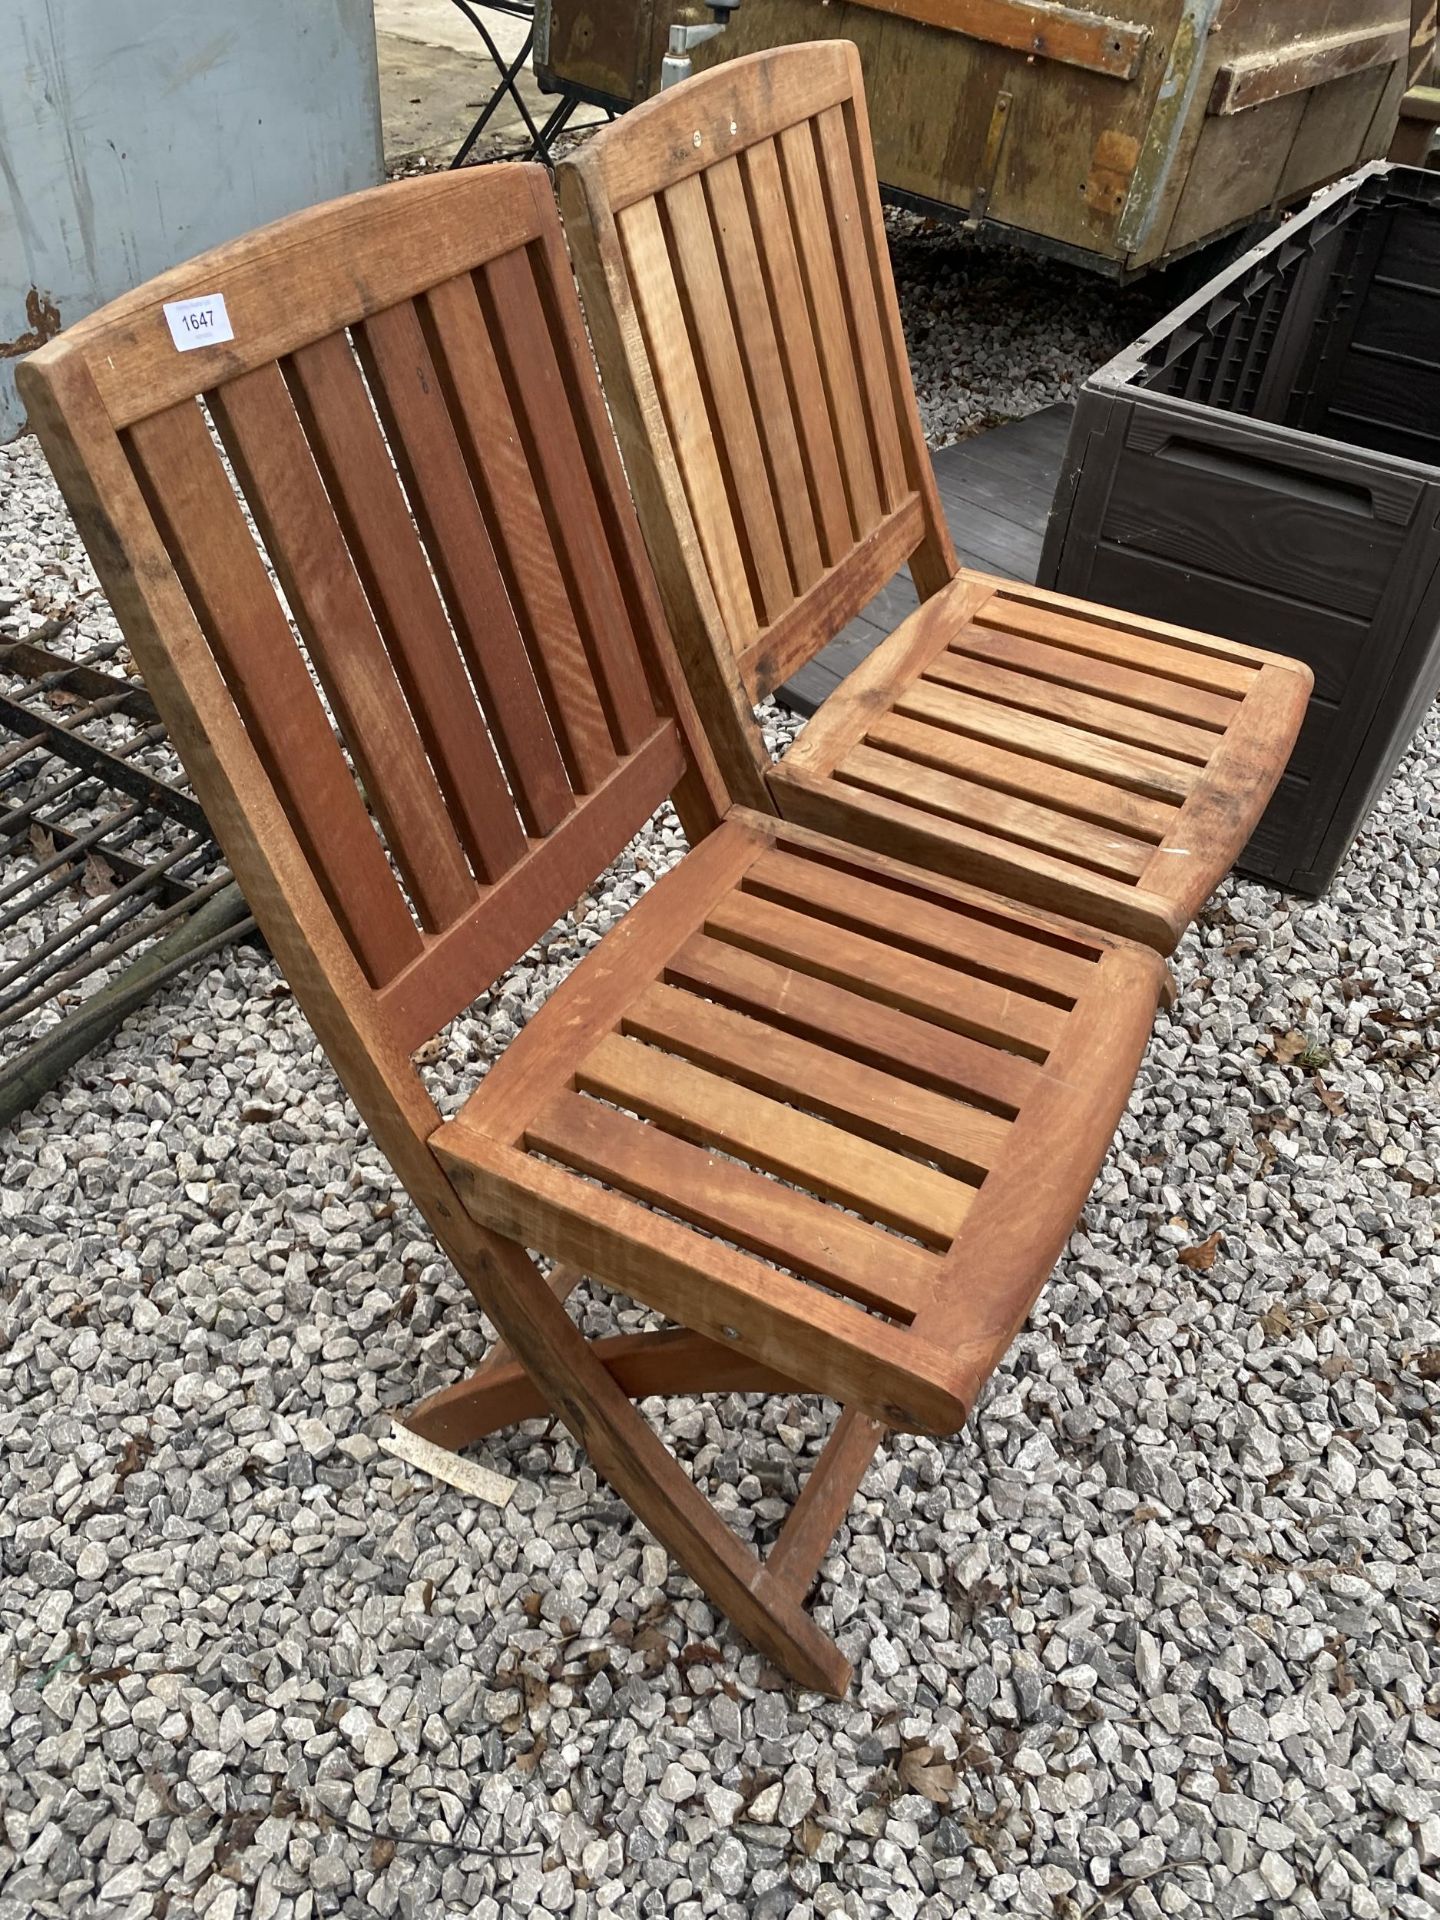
{"x":110,"y":881}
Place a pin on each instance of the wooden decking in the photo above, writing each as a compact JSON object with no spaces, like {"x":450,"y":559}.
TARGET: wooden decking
{"x":997,"y":489}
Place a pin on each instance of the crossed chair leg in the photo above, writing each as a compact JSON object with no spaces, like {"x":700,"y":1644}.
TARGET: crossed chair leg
{"x":545,"y":1365}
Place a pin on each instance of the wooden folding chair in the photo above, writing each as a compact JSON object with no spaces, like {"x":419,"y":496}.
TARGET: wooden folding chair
{"x":830,"y":1116}
{"x":733,"y":261}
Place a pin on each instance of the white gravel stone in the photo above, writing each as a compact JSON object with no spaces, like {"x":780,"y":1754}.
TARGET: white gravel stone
{"x":1164,"y":1610}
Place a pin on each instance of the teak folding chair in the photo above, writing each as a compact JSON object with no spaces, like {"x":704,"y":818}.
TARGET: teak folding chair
{"x":733,"y":261}
{"x":831,"y":1117}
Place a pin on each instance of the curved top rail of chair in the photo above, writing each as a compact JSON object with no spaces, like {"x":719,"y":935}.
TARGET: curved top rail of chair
{"x":715,"y":114}
{"x":288,"y":282}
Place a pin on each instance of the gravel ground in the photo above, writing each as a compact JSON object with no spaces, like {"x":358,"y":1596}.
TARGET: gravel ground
{"x":1155,"y":1636}
{"x":995,"y":332}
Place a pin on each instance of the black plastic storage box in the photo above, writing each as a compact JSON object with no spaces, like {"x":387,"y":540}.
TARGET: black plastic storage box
{"x":1265,"y":464}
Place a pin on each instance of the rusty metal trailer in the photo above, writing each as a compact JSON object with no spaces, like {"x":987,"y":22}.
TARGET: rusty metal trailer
{"x":1116,"y":134}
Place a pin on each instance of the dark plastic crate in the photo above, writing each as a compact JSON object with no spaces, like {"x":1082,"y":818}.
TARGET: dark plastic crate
{"x":1265,"y":464}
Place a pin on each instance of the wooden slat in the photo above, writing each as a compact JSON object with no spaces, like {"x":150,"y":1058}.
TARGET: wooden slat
{"x":777,"y":1222}
{"x":1225,"y":808}
{"x":1100,"y":801}
{"x":184,"y":483}
{"x":932,"y":565}
{"x":833,"y":601}
{"x":402,"y":376}
{"x":896,"y":1113}
{"x":719,"y":1291}
{"x":1023,"y":1216}
{"x":760,"y":351}
{"x":1130,"y":685}
{"x":976,"y":857}
{"x":272,"y":461}
{"x":385,"y":547}
{"x":677,"y":380}
{"x":520,"y":329}
{"x":831,"y":1485}
{"x":1105,"y":718}
{"x":780,"y":261}
{"x":977,"y":943}
{"x":667,"y":138}
{"x":921,"y":987}
{"x":1097,"y":638}
{"x":1028,"y":823}
{"x":737,"y":439}
{"x":710,"y":1111}
{"x":590,"y":1000}
{"x":1299,"y":65}
{"x":1199,"y":659}
{"x":869,"y":689}
{"x":909,"y":882}
{"x":860,"y":294}
{"x":827,"y":314}
{"x":701,"y":799}
{"x":860,"y":1028}
{"x":1076,"y":36}
{"x":501,"y":475}
{"x":670,"y":1361}
{"x":508,"y":917}
{"x":1048,"y":742}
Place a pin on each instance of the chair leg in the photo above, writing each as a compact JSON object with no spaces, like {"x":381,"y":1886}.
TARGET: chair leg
{"x":795,"y":1558}
{"x":501,"y":1393}
{"x":580,"y":1388}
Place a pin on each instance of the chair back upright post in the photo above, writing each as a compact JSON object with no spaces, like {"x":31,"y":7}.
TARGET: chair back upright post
{"x":732,"y":256}
{"x":373,"y":550}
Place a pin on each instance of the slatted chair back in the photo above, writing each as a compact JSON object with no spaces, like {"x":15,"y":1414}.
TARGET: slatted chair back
{"x":732,"y":255}
{"x":373,"y":548}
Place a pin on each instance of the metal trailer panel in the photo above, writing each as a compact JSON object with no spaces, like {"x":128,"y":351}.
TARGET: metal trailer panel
{"x":1114,"y":133}
{"x":136,"y":133}
{"x":1265,"y":464}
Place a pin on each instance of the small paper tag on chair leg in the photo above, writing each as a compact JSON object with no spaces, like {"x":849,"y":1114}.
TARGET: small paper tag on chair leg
{"x":441,"y":1464}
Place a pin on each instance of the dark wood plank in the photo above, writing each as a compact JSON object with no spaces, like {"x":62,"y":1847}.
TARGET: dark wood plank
{"x":385,"y":546}
{"x":849,"y":1023}
{"x":566,"y":487}
{"x":175,"y":461}
{"x":474,"y":385}
{"x":266,"y":443}
{"x":402,"y":376}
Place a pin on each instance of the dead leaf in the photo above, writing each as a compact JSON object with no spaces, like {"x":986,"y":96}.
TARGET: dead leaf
{"x":809,"y":1837}
{"x":1332,"y":1102}
{"x":62,"y":697}
{"x":1288,"y":1047}
{"x":935,"y":1780}
{"x":428,"y":1054}
{"x":137,"y":1450}
{"x":164,"y":1792}
{"x":1201,"y":1258}
{"x":1426,"y":1363}
{"x":97,"y":877}
{"x":382,"y":1852}
{"x":528,"y":1762}
{"x":239,"y":1830}
{"x":697,"y":1652}
{"x":1277,"y":1322}
{"x":42,"y":843}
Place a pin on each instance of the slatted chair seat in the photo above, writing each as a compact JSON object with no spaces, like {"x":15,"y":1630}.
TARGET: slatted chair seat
{"x":736,"y":279}
{"x":831,"y":1117}
{"x":806,"y":1101}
